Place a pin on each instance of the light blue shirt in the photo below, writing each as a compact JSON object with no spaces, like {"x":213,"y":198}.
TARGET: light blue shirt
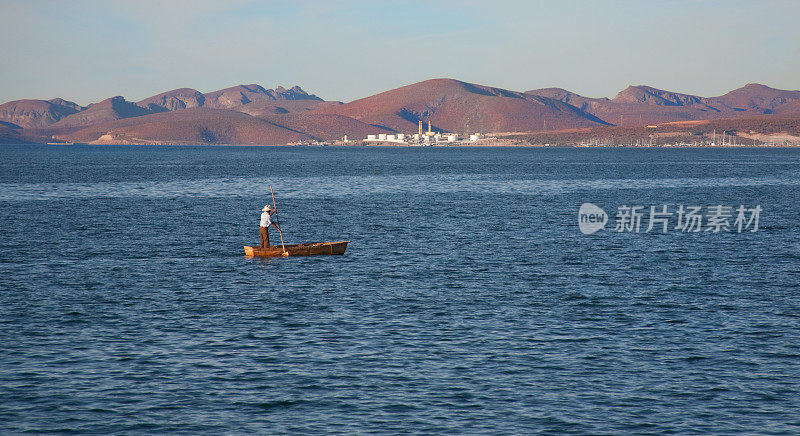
{"x":265,"y":219}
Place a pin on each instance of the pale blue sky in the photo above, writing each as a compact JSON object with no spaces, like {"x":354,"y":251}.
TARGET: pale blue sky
{"x":343,"y":50}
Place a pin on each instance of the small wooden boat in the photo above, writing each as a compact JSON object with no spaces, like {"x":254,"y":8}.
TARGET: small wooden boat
{"x":298,"y":249}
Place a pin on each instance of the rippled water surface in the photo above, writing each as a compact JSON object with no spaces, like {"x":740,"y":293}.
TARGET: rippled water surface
{"x":467,"y":301}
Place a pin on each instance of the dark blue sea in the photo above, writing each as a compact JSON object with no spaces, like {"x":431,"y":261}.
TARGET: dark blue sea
{"x":468,"y":302}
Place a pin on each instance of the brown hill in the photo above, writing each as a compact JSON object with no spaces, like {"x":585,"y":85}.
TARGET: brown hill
{"x":14,"y":134}
{"x":293,"y":93}
{"x":251,"y":99}
{"x":8,"y":125}
{"x":759,"y":98}
{"x":649,"y":113}
{"x":638,"y":105}
{"x":114,"y":108}
{"x":273,"y":107}
{"x":188,"y":126}
{"x":650,"y":96}
{"x":62,"y":117}
{"x":788,"y":109}
{"x":222,"y":126}
{"x":461,"y":107}
{"x":566,"y":96}
{"x":177,"y":99}
{"x":70,"y":104}
{"x":35,"y":113}
{"x":9,"y":134}
{"x":235,"y":96}
{"x":326,"y":126}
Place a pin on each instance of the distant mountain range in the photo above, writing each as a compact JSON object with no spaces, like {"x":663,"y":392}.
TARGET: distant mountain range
{"x":636,"y":105}
{"x":252,"y":114}
{"x":62,"y":113}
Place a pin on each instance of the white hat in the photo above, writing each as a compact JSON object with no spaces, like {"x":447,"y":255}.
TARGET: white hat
{"x":266,"y":208}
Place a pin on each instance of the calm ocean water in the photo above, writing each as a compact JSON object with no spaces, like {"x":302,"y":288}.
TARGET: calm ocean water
{"x":467,"y":302}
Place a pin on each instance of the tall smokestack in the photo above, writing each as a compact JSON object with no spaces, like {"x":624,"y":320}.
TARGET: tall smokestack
{"x":420,"y":127}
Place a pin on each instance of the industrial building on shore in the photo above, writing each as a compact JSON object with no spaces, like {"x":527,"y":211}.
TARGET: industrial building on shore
{"x":429,"y":137}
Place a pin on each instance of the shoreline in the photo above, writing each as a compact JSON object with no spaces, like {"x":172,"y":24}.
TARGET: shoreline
{"x":340,"y":145}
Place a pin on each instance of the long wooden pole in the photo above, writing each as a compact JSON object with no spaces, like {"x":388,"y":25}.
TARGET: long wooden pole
{"x":280,"y":232}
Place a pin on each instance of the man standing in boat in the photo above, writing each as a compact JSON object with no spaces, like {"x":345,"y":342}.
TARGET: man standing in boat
{"x":266,"y":221}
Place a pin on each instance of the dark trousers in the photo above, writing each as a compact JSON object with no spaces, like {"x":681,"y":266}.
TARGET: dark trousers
{"x":264,"y":236}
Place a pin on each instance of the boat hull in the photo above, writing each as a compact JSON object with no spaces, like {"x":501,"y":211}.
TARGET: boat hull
{"x":313,"y":249}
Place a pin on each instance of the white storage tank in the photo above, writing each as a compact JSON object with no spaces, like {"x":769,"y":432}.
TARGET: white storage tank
{"x":390,"y":137}
{"x":371,"y":137}
{"x":415,"y":136}
{"x":401,"y":136}
{"x":474,"y":137}
{"x":451,"y":138}
{"x":382,"y":136}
